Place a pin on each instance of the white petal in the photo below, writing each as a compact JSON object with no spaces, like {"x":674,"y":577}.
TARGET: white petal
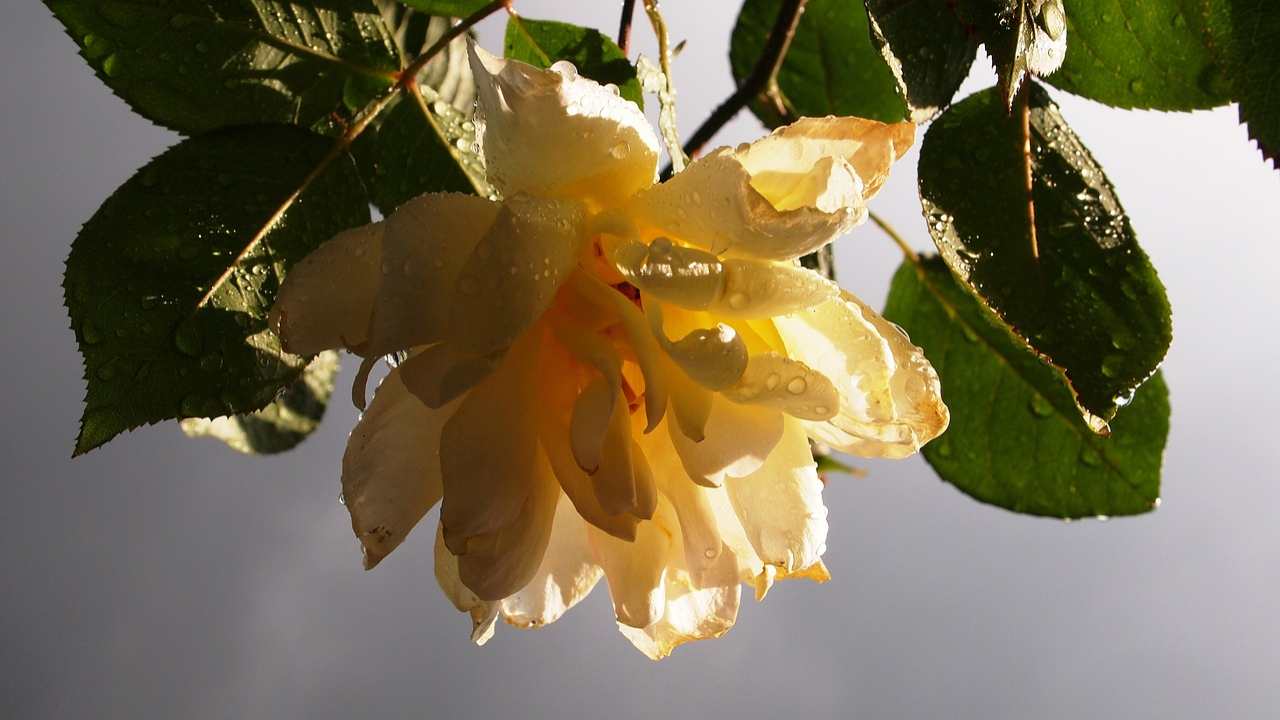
{"x":428,"y":240}
{"x":488,"y":449}
{"x":513,"y":272}
{"x":636,"y":570}
{"x":737,"y":440}
{"x":692,"y":611}
{"x":556,"y":134}
{"x":714,"y":357}
{"x":326,"y":300}
{"x":890,"y":401}
{"x":498,"y":563}
{"x":776,"y":381}
{"x":780,"y":505}
{"x":782,"y":196}
{"x":391,"y":469}
{"x":483,"y":612}
{"x":566,"y":576}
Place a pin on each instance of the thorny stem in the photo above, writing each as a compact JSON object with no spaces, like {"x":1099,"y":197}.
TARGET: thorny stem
{"x":404,"y":81}
{"x":624,"y":25}
{"x":666,"y":96}
{"x":763,"y":79}
{"x":1024,"y":111}
{"x":895,"y":237}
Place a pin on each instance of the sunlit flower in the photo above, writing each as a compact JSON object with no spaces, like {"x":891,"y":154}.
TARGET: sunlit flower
{"x":604,"y":376}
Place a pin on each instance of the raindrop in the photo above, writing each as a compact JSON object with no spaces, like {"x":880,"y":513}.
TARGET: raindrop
{"x":105,"y":373}
{"x":1136,"y":86}
{"x":90,"y":334}
{"x":1040,"y":407}
{"x":738,"y":300}
{"x":796,"y":386}
{"x":1090,"y":457}
{"x":772,"y":381}
{"x":187,"y":339}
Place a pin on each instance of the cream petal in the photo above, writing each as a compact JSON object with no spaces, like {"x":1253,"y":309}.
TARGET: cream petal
{"x":780,"y":197}
{"x":736,"y":441}
{"x":577,"y":485}
{"x":327,"y":298}
{"x":636,"y":570}
{"x":566,"y":576}
{"x":483,"y":612}
{"x":692,"y":612}
{"x":785,"y":158}
{"x":514,"y":271}
{"x":917,"y":391}
{"x":427,"y":242}
{"x":693,"y":504}
{"x":780,"y":505}
{"x":391,"y":469}
{"x":872,"y":365}
{"x":713,"y":357}
{"x":498,"y":563}
{"x":556,"y":134}
{"x":776,"y":381}
{"x":614,"y":477}
{"x":488,"y":449}
{"x":760,"y":289}
{"x":439,"y":373}
{"x":592,"y":419}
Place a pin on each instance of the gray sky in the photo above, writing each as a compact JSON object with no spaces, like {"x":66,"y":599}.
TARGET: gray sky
{"x":162,"y":577}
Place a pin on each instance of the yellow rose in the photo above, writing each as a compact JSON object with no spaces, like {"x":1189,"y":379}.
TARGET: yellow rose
{"x":604,"y":376}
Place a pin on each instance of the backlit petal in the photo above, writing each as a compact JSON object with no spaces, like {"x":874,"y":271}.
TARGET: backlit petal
{"x":636,"y":570}
{"x":556,"y":134}
{"x":566,"y":575}
{"x":780,"y":506}
{"x":483,"y":612}
{"x":777,"y":381}
{"x":513,"y":272}
{"x":780,"y":197}
{"x":327,"y":299}
{"x":737,"y":439}
{"x":489,"y":466}
{"x":391,"y":469}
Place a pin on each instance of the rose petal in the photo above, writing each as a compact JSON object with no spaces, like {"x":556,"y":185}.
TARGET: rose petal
{"x":776,"y":381}
{"x":636,"y":570}
{"x":780,"y":197}
{"x":483,"y":613}
{"x":391,"y":469}
{"x":556,"y":134}
{"x":780,"y":505}
{"x":566,"y":575}
{"x":513,"y":272}
{"x":737,"y":440}
{"x":327,"y":299}
{"x":692,"y":611}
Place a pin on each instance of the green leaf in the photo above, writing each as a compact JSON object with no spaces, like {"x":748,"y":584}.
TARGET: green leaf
{"x":425,"y":140}
{"x":1023,"y":37}
{"x":1147,"y":54}
{"x":1015,"y":438}
{"x":447,"y":8}
{"x":927,"y":47}
{"x":543,"y":42}
{"x":1246,"y":33}
{"x":192,"y":65}
{"x":831,"y":68}
{"x":283,"y":424}
{"x":1092,"y":304}
{"x":169,"y":284}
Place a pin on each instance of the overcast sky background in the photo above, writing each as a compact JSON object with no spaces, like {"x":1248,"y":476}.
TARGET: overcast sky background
{"x":162,"y":577}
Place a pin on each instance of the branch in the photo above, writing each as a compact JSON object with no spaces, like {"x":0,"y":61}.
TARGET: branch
{"x":896,"y":237}
{"x":1025,"y":112}
{"x":763,"y":79}
{"x":624,"y":25}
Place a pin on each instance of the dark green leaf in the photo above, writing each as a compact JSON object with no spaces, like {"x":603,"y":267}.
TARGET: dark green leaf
{"x":543,"y":42}
{"x":447,"y":8}
{"x":1015,"y":438}
{"x":192,"y":65}
{"x":1141,"y":54}
{"x":281,"y":425}
{"x":425,"y":141}
{"x":1022,"y":37}
{"x":928,"y":48}
{"x":167,"y":293}
{"x":1091,"y":304}
{"x":1246,"y":33}
{"x":831,"y":69}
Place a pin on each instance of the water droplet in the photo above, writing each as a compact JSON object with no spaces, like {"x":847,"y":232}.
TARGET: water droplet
{"x":90,"y":334}
{"x":944,"y":449}
{"x":796,"y":385}
{"x":202,"y":47}
{"x":1090,"y":457}
{"x":1040,"y":407}
{"x":1112,"y":365}
{"x":968,"y":333}
{"x":211,"y":362}
{"x":772,"y":381}
{"x":1179,"y":21}
{"x":112,"y":65}
{"x":187,"y":339}
{"x":106,"y":372}
{"x":738,"y":300}
{"x":710,"y":553}
{"x":1137,"y":86}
